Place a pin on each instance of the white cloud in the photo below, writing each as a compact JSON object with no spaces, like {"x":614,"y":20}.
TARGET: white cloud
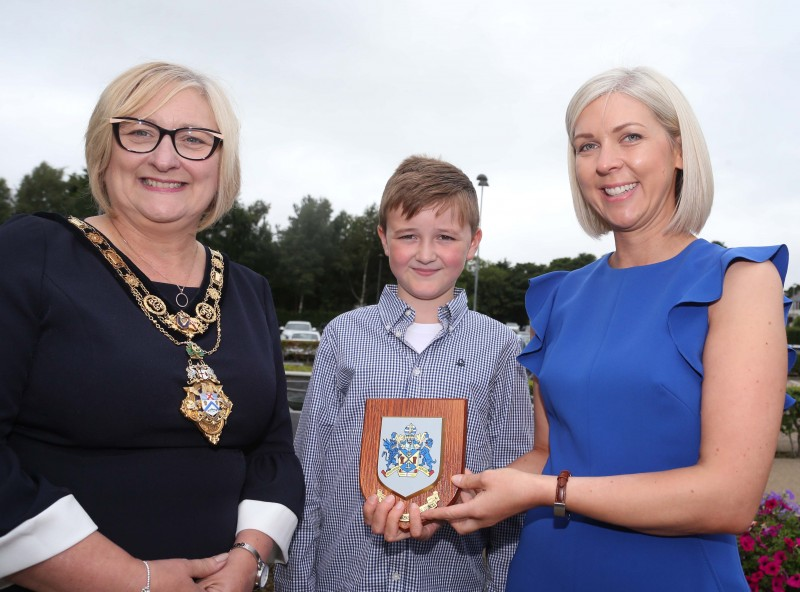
{"x":332,"y":96}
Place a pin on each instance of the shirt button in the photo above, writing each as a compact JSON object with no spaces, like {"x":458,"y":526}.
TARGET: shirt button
{"x":408,"y":312}
{"x":396,"y":576}
{"x":398,"y":333}
{"x":416,"y":371}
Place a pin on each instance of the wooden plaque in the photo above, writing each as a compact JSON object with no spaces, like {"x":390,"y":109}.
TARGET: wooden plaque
{"x":411,"y":448}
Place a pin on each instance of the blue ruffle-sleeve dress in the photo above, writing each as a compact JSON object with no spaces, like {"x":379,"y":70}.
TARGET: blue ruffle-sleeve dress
{"x":618,"y":355}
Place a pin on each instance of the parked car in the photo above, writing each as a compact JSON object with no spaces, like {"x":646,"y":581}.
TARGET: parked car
{"x":292,"y":327}
{"x":301,"y":347}
{"x":303,"y":336}
{"x":523,"y":333}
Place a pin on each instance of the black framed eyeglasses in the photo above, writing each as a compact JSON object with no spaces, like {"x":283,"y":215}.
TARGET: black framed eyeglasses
{"x":142,"y":136}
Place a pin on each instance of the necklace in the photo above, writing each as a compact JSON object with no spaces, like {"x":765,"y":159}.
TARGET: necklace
{"x":205,"y":403}
{"x":181,"y":299}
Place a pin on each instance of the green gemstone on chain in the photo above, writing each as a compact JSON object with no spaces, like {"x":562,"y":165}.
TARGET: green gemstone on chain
{"x":194,"y":351}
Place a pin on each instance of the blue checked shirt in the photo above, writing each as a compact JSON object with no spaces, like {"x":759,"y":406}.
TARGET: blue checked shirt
{"x":362,"y":355}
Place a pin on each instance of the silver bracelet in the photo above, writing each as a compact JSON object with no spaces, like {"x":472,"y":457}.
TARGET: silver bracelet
{"x":147,"y":567}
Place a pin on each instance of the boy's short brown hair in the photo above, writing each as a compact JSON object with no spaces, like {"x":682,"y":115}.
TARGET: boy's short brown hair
{"x":421,"y":183}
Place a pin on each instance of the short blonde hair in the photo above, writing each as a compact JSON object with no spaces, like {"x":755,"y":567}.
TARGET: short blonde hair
{"x":134,"y":88}
{"x":694,"y":184}
{"x":422,"y":183}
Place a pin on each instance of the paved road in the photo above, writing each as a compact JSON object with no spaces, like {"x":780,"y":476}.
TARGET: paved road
{"x":785,"y":475}
{"x":785,"y":472}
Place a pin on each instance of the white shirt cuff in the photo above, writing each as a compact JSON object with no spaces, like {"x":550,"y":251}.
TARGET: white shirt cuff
{"x":56,"y":529}
{"x":275,"y":520}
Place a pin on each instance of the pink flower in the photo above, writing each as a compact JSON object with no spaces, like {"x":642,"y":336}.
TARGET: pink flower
{"x":772,"y":568}
{"x":778,"y":583}
{"x":770,"y":550}
{"x":772,"y":530}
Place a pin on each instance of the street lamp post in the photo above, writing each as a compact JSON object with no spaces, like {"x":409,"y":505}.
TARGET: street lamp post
{"x":482,"y":182}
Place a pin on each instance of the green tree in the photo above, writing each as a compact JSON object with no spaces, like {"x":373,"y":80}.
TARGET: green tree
{"x":46,"y":190}
{"x":502,"y":287}
{"x":356,"y":256}
{"x":497,"y":294}
{"x":6,"y":201}
{"x":78,"y":200}
{"x":245,"y":236}
{"x":42,"y":190}
{"x":570,"y":263}
{"x":519,"y":277}
{"x":305,"y":244}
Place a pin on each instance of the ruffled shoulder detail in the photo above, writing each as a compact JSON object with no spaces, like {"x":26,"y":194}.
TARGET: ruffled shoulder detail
{"x":539,"y":303}
{"x":688,"y":318}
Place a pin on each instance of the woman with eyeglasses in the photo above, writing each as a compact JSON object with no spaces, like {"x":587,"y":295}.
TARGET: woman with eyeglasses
{"x":145,"y":434}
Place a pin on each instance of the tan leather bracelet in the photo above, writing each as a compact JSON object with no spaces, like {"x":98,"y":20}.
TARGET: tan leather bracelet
{"x":560,"y":505}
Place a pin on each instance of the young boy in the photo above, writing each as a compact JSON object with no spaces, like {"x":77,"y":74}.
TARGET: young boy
{"x":420,"y":340}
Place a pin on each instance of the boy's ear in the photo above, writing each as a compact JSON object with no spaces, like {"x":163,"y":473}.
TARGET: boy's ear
{"x":474,"y":244}
{"x":382,"y":236}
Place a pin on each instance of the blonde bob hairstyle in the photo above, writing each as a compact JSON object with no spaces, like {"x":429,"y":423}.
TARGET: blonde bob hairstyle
{"x":126,"y":96}
{"x":694,"y":184}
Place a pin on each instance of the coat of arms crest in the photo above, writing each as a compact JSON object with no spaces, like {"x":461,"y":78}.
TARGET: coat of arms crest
{"x":411,"y":450}
{"x":411,"y":447}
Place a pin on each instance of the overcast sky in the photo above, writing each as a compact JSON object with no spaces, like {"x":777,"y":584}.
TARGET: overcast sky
{"x":333,"y":94}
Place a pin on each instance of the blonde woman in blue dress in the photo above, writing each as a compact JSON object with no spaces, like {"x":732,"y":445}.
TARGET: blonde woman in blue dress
{"x":661,"y":368}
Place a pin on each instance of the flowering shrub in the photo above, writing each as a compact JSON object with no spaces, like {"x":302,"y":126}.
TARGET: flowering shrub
{"x":770,"y":550}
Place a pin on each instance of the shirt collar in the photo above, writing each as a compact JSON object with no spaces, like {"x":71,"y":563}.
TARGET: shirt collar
{"x":396,"y":315}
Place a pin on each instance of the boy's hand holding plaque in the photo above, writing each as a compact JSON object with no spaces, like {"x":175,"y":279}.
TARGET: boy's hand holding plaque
{"x":411,"y":448}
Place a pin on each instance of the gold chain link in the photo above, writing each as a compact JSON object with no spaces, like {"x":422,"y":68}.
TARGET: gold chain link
{"x":140,"y":291}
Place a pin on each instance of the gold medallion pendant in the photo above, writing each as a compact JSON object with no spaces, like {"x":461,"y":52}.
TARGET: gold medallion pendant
{"x":205,"y":402}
